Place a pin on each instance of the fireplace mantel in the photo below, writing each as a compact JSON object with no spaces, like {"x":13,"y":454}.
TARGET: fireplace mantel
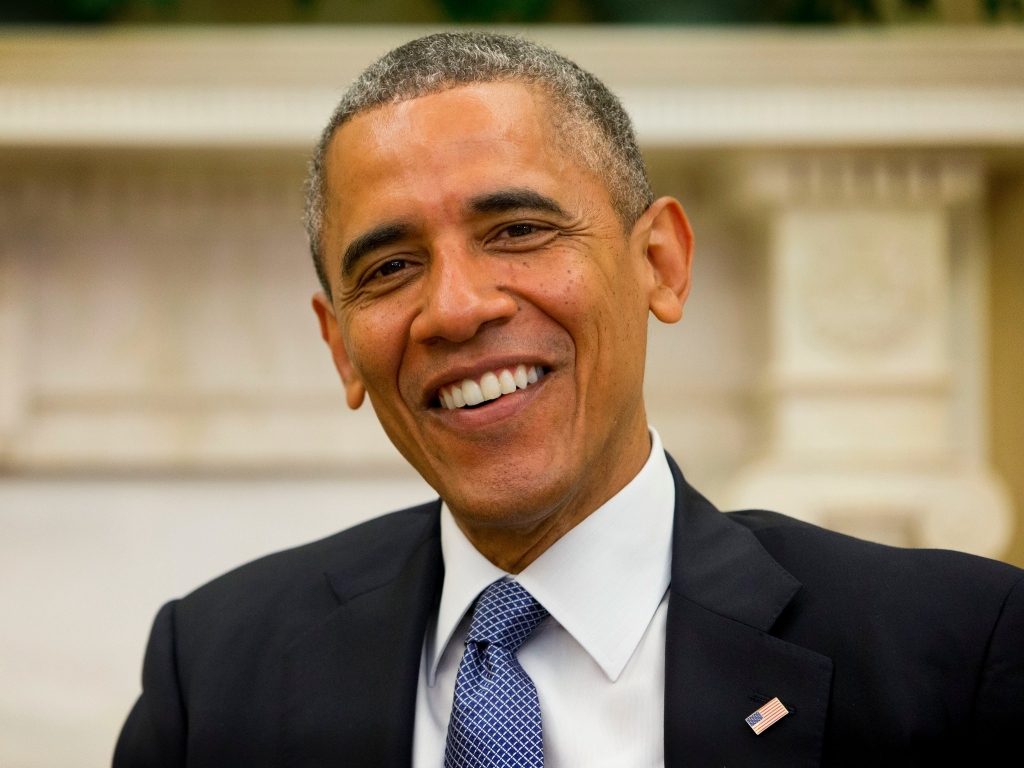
{"x":153,"y":275}
{"x":716,"y":89}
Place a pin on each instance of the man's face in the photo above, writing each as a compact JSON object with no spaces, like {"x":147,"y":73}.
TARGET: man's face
{"x":463,"y":241}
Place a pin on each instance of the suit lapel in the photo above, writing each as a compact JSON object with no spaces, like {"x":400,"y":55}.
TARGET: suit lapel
{"x":350,"y":683}
{"x":720,"y":662}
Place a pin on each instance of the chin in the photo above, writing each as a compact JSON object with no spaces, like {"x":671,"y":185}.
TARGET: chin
{"x":509,"y":495}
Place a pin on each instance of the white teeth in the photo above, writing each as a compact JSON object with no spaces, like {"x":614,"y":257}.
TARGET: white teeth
{"x":457,"y":397}
{"x":508,"y":384}
{"x":471,"y":392}
{"x":520,"y":376}
{"x":490,"y":387}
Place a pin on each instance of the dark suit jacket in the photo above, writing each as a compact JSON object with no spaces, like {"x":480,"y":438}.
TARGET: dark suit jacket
{"x":884,"y":657}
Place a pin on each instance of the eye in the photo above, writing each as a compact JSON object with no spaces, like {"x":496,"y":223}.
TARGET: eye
{"x":520,"y":230}
{"x":390,"y":267}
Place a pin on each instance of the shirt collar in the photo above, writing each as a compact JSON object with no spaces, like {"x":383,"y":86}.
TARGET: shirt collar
{"x":602,"y":581}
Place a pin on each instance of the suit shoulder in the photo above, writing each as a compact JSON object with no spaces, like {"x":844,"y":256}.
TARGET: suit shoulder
{"x":760,"y":519}
{"x":815,"y":555}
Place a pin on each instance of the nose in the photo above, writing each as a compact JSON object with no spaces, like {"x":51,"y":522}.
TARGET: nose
{"x":462,"y":293}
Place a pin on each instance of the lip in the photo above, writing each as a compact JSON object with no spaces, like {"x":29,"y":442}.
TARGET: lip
{"x":493,"y":411}
{"x":460,"y":372}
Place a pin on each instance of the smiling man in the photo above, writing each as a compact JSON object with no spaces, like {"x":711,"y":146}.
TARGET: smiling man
{"x":490,"y":253}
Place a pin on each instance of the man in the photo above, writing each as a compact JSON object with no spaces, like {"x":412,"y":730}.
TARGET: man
{"x":490,"y":250}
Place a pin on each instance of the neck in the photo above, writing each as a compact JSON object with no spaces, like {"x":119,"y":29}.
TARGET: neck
{"x":513,"y":548}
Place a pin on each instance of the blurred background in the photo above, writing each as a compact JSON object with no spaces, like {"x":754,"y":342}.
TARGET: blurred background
{"x":852,"y":353}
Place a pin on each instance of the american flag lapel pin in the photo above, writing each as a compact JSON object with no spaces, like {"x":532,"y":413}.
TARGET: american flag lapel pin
{"x":767,"y":716}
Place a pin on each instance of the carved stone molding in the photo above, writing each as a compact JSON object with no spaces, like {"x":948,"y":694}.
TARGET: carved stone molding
{"x":728,"y":88}
{"x":867,"y":286}
{"x":154,"y":314}
{"x":870,"y":390}
{"x":861,"y":178}
{"x":964,"y":509}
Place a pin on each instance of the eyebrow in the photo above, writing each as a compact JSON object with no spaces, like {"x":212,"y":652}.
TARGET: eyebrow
{"x":515,"y":200}
{"x":368,"y":242}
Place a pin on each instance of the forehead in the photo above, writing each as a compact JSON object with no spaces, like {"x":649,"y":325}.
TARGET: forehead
{"x":441,"y":148}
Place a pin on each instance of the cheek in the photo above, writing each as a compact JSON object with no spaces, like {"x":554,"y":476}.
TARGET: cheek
{"x":376,"y":340}
{"x":597,"y":306}
{"x":561,"y":280}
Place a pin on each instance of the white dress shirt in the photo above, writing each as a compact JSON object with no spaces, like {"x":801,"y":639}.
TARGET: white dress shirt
{"x":598,"y":660}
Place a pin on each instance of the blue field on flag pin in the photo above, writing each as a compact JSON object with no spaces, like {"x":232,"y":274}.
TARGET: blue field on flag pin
{"x":766,"y":716}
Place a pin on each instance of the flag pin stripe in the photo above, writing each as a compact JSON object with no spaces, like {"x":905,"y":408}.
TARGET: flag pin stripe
{"x":767,"y":716}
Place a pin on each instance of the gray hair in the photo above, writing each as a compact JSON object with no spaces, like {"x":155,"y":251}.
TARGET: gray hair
{"x":596,"y":127}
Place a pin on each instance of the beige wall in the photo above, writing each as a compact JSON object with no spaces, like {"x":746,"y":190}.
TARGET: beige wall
{"x":1007,"y":276}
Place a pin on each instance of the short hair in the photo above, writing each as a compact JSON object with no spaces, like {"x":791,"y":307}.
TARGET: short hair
{"x":595,"y":126}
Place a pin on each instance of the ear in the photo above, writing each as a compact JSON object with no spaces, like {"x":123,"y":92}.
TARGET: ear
{"x":355,"y":392}
{"x":669,"y":251}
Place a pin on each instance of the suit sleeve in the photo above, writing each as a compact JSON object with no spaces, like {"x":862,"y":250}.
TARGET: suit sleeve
{"x":999,"y":706}
{"x":155,"y":732}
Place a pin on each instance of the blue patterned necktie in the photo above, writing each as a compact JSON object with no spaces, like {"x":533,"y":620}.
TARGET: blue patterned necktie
{"x":495,"y":719}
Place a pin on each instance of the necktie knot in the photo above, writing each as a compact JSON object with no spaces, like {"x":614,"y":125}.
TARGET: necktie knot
{"x":505,"y":615}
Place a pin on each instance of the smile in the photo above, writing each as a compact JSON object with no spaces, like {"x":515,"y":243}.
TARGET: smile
{"x":491,"y":386}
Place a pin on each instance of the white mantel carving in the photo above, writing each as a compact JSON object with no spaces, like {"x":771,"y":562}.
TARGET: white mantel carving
{"x":157,"y":317}
{"x":684,"y":87}
{"x":870,"y":401}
